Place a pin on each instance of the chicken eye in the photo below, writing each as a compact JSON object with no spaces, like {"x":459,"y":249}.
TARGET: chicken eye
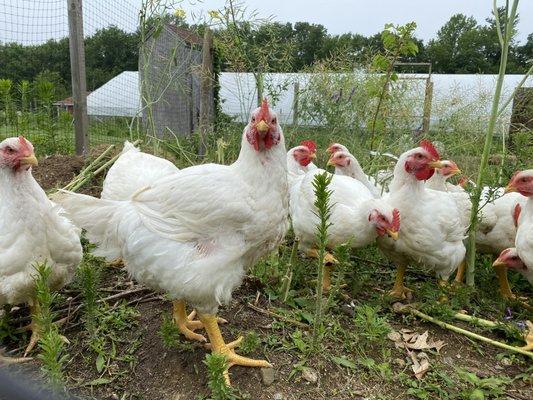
{"x":274,"y":120}
{"x":10,"y":150}
{"x":253,"y":119}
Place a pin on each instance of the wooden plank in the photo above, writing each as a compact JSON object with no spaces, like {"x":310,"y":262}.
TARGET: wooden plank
{"x":206,"y":92}
{"x":79,"y":83}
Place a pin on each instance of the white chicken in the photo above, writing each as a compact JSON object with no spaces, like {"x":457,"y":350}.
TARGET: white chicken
{"x":346,"y":164}
{"x":377,"y":185}
{"x":300,"y":160}
{"x":193,"y":234}
{"x":509,"y":258}
{"x":132,"y":171}
{"x":439,"y":180}
{"x":522,"y":182}
{"x":357,"y":218}
{"x":33,"y":230}
{"x":432,"y":230}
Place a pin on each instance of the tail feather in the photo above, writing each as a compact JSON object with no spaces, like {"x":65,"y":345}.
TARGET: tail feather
{"x":102,"y":220}
{"x":128,"y":146}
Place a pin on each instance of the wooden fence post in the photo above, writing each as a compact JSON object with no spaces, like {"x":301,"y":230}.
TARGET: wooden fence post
{"x":206,"y":91}
{"x":428,"y":100}
{"x":296,"y":103}
{"x":77,"y":68}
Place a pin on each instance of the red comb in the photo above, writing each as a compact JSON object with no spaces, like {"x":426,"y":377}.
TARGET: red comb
{"x":264,"y":112}
{"x":396,"y":220}
{"x":310,"y":144}
{"x":428,"y":146}
{"x":516,"y":214}
{"x":504,"y":252}
{"x":24,"y":143}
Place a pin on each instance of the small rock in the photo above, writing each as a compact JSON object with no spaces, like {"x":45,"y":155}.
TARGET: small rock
{"x":277,"y":396}
{"x":310,"y":375}
{"x":506,"y":362}
{"x":399,"y":362}
{"x":448,"y":360}
{"x":458,"y":356}
{"x":349,"y":311}
{"x":267,"y":376}
{"x":114,"y":396}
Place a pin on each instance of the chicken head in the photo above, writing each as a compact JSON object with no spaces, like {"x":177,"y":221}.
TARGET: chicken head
{"x":17,"y":154}
{"x":521,"y":182}
{"x":263,"y":131}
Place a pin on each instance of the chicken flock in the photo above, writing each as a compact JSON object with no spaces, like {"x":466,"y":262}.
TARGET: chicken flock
{"x":194,"y":233}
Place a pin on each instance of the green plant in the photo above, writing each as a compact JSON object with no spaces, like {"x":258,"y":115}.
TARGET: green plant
{"x":89,"y":278}
{"x":51,"y":342}
{"x":250,"y":343}
{"x":397,"y":41}
{"x":370,"y":325}
{"x":478,"y":387}
{"x":216,"y":370}
{"x":505,"y":38}
{"x":323,"y":211}
{"x":6,"y":99}
{"x":112,"y":325}
{"x":171,"y":335}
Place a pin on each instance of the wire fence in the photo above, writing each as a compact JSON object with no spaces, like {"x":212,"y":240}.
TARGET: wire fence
{"x":143,"y":72}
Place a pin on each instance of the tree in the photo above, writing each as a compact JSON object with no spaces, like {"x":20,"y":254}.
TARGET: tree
{"x":454,"y":39}
{"x":109,"y":52}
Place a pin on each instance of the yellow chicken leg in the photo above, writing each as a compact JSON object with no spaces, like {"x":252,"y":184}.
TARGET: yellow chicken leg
{"x":528,"y":337}
{"x":35,"y":334}
{"x":186,"y":323}
{"x":505,"y":289}
{"x":460,"y":272}
{"x":218,"y":345}
{"x":399,"y":290}
{"x":329,"y":262}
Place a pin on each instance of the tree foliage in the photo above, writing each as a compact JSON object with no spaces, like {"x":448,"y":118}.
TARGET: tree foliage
{"x":462,"y":45}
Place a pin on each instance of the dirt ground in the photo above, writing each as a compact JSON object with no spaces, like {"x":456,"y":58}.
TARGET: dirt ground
{"x":147,"y":369}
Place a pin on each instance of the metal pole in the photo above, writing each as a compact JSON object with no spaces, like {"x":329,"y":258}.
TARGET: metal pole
{"x":77,"y":68}
{"x":428,"y":99}
{"x":295,"y":103}
{"x":206,"y":91}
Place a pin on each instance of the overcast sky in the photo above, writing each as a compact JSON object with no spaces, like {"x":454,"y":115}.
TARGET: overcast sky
{"x":34,"y":21}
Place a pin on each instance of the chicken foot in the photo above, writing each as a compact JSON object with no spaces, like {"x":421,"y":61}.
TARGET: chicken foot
{"x":218,"y":346}
{"x":399,"y":290}
{"x":329,"y":262}
{"x":186,"y":323}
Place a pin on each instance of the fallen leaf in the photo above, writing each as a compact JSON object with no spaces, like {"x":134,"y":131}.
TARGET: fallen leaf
{"x":420,"y":365}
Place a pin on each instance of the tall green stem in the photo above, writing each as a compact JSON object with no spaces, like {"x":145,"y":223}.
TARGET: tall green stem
{"x":471,"y":257}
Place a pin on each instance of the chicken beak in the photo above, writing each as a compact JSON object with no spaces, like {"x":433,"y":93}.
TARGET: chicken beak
{"x":436,"y":164}
{"x":510,"y":188}
{"x":330,"y":163}
{"x":262,"y":127}
{"x":30,"y":160}
{"x":312,"y":156}
{"x":392,"y":234}
{"x":456,"y":171}
{"x":498,"y":263}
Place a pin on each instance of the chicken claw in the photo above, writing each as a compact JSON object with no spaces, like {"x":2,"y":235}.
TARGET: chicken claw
{"x":218,"y":345}
{"x":186,"y":324}
{"x":399,"y":291}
